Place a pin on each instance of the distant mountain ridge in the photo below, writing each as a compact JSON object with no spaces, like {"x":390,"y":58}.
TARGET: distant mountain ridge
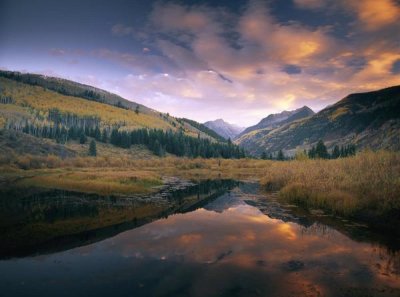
{"x":277,"y":119}
{"x":226,"y":130}
{"x":367,"y":120}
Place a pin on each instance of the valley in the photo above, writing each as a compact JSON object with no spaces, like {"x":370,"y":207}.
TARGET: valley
{"x":170,"y":148}
{"x":78,"y":171}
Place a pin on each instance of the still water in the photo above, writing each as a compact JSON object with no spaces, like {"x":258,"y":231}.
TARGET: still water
{"x":217,"y":240}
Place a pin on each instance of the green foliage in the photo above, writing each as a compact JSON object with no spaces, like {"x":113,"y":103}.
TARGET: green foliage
{"x":320,"y":151}
{"x":176,"y":143}
{"x":92,"y":148}
{"x":82,"y":138}
{"x":336,"y":152}
{"x":281,"y":156}
{"x":157,"y":140}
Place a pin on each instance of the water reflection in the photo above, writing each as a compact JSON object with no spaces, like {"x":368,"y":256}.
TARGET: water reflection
{"x":41,"y":221}
{"x":228,"y":248}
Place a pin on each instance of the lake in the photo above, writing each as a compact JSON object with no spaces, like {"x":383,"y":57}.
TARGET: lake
{"x":219,"y":238}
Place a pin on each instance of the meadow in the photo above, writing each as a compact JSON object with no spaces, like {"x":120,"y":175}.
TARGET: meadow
{"x":368,"y":183}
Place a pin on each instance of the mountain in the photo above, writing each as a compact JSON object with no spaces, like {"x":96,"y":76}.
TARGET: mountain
{"x":34,"y":90}
{"x":367,"y":120}
{"x":205,"y":129}
{"x":224,"y":129}
{"x":74,"y":89}
{"x":57,"y":113}
{"x":275,"y":120}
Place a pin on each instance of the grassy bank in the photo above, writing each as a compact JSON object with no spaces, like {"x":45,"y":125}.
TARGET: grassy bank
{"x":120,"y":175}
{"x":368,"y":183}
{"x":365,"y":185}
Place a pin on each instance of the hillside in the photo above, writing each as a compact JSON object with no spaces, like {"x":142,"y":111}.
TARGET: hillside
{"x":224,"y":129}
{"x":28,"y":89}
{"x":63,"y":111}
{"x":367,"y":120}
{"x":74,"y":89}
{"x":278,"y":119}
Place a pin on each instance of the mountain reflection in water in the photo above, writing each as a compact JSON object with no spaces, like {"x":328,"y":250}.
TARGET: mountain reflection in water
{"x":227,"y":248}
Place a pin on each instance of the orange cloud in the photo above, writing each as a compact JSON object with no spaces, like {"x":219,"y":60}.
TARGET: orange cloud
{"x":377,"y":73}
{"x":375,"y":14}
{"x":289,"y":43}
{"x":222,"y":62}
{"x":174,"y":16}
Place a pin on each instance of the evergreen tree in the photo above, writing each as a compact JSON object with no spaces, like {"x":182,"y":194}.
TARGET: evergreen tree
{"x":97,"y":133}
{"x":342,"y":152}
{"x":82,"y":138}
{"x":351,"y":149}
{"x":104,"y":136}
{"x":281,"y":156}
{"x":264,"y":156}
{"x":137,"y":109}
{"x":336,"y":152}
{"x":321,"y":151}
{"x":312,"y":153}
{"x":114,"y":138}
{"x":92,"y":148}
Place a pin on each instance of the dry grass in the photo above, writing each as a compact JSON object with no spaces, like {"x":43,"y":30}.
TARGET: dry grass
{"x":103,"y":182}
{"x":123,"y":174}
{"x":369,"y":181}
{"x":43,"y":100}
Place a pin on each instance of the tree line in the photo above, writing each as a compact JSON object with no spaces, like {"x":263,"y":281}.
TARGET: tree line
{"x":177,"y":143}
{"x":158,"y":141}
{"x":319,"y":151}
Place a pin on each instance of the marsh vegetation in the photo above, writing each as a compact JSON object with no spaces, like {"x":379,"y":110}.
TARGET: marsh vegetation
{"x":365,"y":186}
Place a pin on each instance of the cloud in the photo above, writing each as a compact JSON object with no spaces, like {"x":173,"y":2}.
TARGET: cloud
{"x":374,"y":15}
{"x":289,"y":43}
{"x":181,"y":18}
{"x":209,"y":62}
{"x":57,"y":52}
{"x":140,"y":63}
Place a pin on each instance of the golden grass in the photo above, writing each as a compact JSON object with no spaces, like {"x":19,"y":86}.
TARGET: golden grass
{"x":368,"y":181}
{"x":43,"y":100}
{"x":103,"y":182}
{"x":30,"y":100}
{"x":122,"y":174}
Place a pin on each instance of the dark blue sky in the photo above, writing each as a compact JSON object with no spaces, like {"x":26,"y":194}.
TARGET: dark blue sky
{"x":209,"y":59}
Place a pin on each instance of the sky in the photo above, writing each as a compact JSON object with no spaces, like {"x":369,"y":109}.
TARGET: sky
{"x":239,"y":60}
